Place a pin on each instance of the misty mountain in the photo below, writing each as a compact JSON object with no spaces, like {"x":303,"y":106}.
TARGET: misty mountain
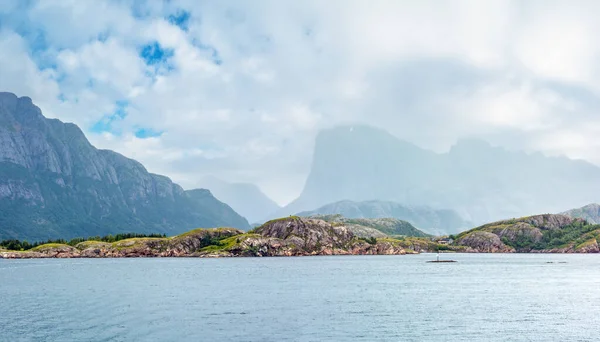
{"x":55,"y":184}
{"x":432,"y":221}
{"x":590,"y":213}
{"x":481,"y":182}
{"x":373,"y":227}
{"x":246,"y":199}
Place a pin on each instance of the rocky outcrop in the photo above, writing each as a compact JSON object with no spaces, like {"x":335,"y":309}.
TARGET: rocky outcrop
{"x":484,"y":242}
{"x":55,"y":184}
{"x":373,"y":227}
{"x":285,"y":237}
{"x":545,"y":221}
{"x":365,"y":232}
{"x":537,"y":234}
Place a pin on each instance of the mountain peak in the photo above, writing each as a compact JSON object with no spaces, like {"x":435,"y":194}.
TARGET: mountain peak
{"x":54,"y":183}
{"x":245,"y":198}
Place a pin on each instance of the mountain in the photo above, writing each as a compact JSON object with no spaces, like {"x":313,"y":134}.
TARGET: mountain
{"x":590,"y":213}
{"x":432,"y":221}
{"x":54,"y":183}
{"x":480,"y":182}
{"x":373,"y":227}
{"x":540,"y":233}
{"x":246,"y":199}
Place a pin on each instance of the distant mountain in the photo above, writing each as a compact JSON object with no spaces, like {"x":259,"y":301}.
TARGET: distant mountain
{"x":374,"y":227}
{"x":432,"y":221}
{"x":541,"y":233}
{"x":244,"y":198}
{"x":55,"y":184}
{"x":590,"y":213}
{"x":480,"y":182}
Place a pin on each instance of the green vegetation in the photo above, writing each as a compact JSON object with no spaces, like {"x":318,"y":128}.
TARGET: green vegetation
{"x":575,"y":234}
{"x":534,"y":233}
{"x":17,"y":245}
{"x":371,"y":240}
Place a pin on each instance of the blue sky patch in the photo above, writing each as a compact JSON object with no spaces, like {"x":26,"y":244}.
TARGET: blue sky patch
{"x":144,"y":133}
{"x":181,"y":18}
{"x":105,"y":124}
{"x":154,"y":54}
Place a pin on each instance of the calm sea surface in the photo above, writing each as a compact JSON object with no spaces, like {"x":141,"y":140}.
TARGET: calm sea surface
{"x":483,"y":297}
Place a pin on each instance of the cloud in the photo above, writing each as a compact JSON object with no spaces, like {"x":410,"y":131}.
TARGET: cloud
{"x":240,"y":89}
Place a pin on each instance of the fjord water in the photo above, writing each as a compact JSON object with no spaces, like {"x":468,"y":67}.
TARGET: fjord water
{"x":482,"y":297}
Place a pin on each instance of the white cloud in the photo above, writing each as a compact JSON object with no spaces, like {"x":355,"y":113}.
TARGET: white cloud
{"x":559,"y":43}
{"x":249,"y":84}
{"x":20,"y":74}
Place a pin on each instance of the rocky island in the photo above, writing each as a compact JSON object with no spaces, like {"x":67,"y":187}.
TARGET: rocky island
{"x":547,"y":233}
{"x":290,"y":236}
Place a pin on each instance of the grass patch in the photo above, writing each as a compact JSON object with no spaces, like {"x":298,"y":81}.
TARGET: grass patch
{"x":47,"y":246}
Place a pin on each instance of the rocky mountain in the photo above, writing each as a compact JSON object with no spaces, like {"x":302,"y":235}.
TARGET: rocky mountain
{"x":54,"y":183}
{"x":480,"y":182}
{"x":540,"y":233}
{"x":290,"y":236}
{"x":431,"y":221}
{"x":590,"y":213}
{"x":373,"y":227}
{"x":246,"y":199}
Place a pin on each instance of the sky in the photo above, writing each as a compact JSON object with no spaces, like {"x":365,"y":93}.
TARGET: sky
{"x":239,"y":89}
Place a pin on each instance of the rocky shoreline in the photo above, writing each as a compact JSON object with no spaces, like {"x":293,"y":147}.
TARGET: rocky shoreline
{"x":291,"y":236}
{"x":296,"y":236}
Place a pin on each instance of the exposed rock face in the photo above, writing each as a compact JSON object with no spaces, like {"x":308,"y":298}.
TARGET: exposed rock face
{"x":546,"y":221}
{"x":308,"y":234}
{"x":364,"y":232}
{"x":539,"y":234}
{"x":55,"y":184}
{"x":484,"y":242}
{"x":373,"y":227}
{"x":519,"y":231}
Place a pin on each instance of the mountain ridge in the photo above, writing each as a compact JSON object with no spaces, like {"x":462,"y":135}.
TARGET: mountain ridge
{"x":432,"y":221}
{"x":55,"y":183}
{"x":245,"y":198}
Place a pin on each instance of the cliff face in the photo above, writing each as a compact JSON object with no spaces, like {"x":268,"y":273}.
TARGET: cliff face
{"x":540,"y":233}
{"x":55,"y":184}
{"x":480,"y":182}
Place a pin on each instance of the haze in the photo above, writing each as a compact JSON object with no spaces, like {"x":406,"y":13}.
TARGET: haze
{"x":239,"y":90}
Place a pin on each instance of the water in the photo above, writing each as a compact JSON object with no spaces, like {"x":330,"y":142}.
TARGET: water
{"x":483,"y":297}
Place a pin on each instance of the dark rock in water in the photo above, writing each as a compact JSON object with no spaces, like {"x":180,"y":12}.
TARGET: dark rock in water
{"x":442,"y":261}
